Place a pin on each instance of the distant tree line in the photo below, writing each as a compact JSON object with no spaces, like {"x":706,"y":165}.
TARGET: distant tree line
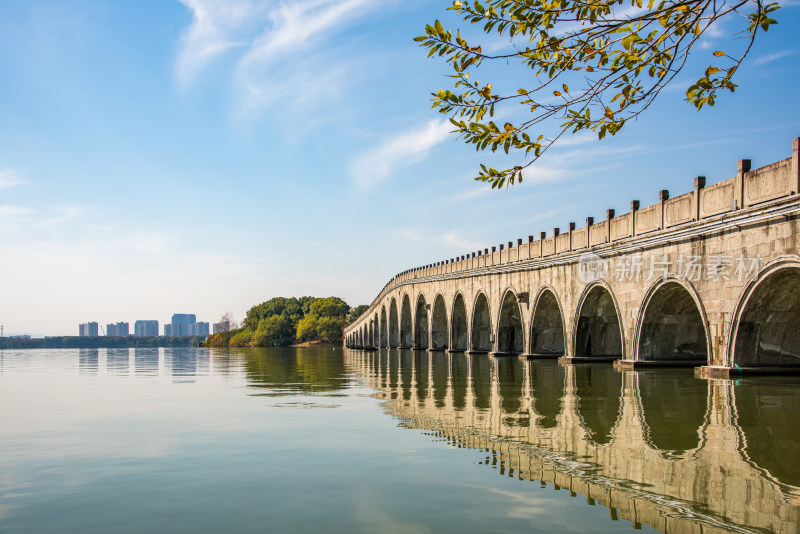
{"x":85,"y":342}
{"x":282,"y":321}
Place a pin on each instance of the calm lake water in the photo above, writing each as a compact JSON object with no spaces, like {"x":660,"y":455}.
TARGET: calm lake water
{"x":326,"y":440}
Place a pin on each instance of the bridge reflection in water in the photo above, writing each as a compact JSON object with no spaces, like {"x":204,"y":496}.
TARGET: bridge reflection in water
{"x":659,"y":448}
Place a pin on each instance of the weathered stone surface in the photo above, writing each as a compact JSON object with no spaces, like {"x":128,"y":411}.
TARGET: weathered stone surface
{"x":716,"y":266}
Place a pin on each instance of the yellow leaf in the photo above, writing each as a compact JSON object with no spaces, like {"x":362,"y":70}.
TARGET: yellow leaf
{"x":566,"y":89}
{"x":556,"y":93}
{"x":719,"y":53}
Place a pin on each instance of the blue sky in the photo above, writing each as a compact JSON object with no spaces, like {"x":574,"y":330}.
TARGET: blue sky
{"x":201,"y":156}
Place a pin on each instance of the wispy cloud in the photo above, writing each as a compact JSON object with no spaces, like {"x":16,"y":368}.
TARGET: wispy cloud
{"x":453,"y":238}
{"x":15,"y":218}
{"x":273,"y":65}
{"x":377,"y":165}
{"x":10,"y":179}
{"x":775,"y":57}
{"x":217,"y":26}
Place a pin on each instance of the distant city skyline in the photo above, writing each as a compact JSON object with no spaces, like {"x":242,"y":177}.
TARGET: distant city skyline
{"x":182,"y":324}
{"x":208,"y":156}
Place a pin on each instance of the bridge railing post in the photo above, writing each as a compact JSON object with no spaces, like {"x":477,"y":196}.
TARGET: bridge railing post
{"x":609,"y":216}
{"x":699,"y":183}
{"x":663,"y":196}
{"x":589,"y":223}
{"x":743,"y":167}
{"x":796,"y":164}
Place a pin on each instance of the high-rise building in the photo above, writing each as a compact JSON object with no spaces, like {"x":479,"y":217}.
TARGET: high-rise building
{"x":145,"y":328}
{"x":88,"y":329}
{"x":181,"y":324}
{"x":120,"y":329}
{"x":199,"y":329}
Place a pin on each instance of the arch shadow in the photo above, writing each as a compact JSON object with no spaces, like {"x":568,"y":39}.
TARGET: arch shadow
{"x":764,"y":328}
{"x":547,"y":325}
{"x":481,"y":331}
{"x":598,"y":334}
{"x":672,"y":328}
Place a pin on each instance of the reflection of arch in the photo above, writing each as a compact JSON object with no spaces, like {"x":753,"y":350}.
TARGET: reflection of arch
{"x":547,"y":382}
{"x":671,"y":324}
{"x":461,"y":380}
{"x":599,"y":391}
{"x":384,"y":341}
{"x":421,"y":377}
{"x":481,"y":325}
{"x":439,"y":324}
{"x":405,"y":324}
{"x":440,"y":370}
{"x":598,"y":332}
{"x":458,"y":324}
{"x":547,"y":325}
{"x":481,"y":382}
{"x":394,"y":327}
{"x":669,"y":401}
{"x":765,"y":329}
{"x":421,"y":324}
{"x":510,"y":336}
{"x":767,"y":414}
{"x":510,"y":377}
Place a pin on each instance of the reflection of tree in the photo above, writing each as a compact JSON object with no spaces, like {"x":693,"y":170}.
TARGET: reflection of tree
{"x":293,"y":370}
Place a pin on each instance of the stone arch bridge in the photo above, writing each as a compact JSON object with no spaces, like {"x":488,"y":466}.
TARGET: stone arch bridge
{"x":710,"y":279}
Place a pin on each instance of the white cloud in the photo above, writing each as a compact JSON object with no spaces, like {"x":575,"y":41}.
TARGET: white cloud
{"x":286,"y":53}
{"x":9,"y":179}
{"x":774,"y":57}
{"x":13,"y":213}
{"x":15,"y":218}
{"x":217,"y":26}
{"x":378,"y":164}
{"x":453,"y":238}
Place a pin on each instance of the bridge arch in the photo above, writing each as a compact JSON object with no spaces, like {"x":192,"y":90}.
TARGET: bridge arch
{"x":459,"y":327}
{"x":371,"y":334}
{"x":384,"y":340}
{"x":672,"y":324}
{"x":598,"y":330}
{"x":376,"y":330}
{"x":547,"y":324}
{"x":406,"y":333}
{"x":394,"y":325}
{"x":421,"y":328}
{"x":510,"y":330}
{"x":764,"y":328}
{"x":439,"y":330}
{"x":481,"y":331}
